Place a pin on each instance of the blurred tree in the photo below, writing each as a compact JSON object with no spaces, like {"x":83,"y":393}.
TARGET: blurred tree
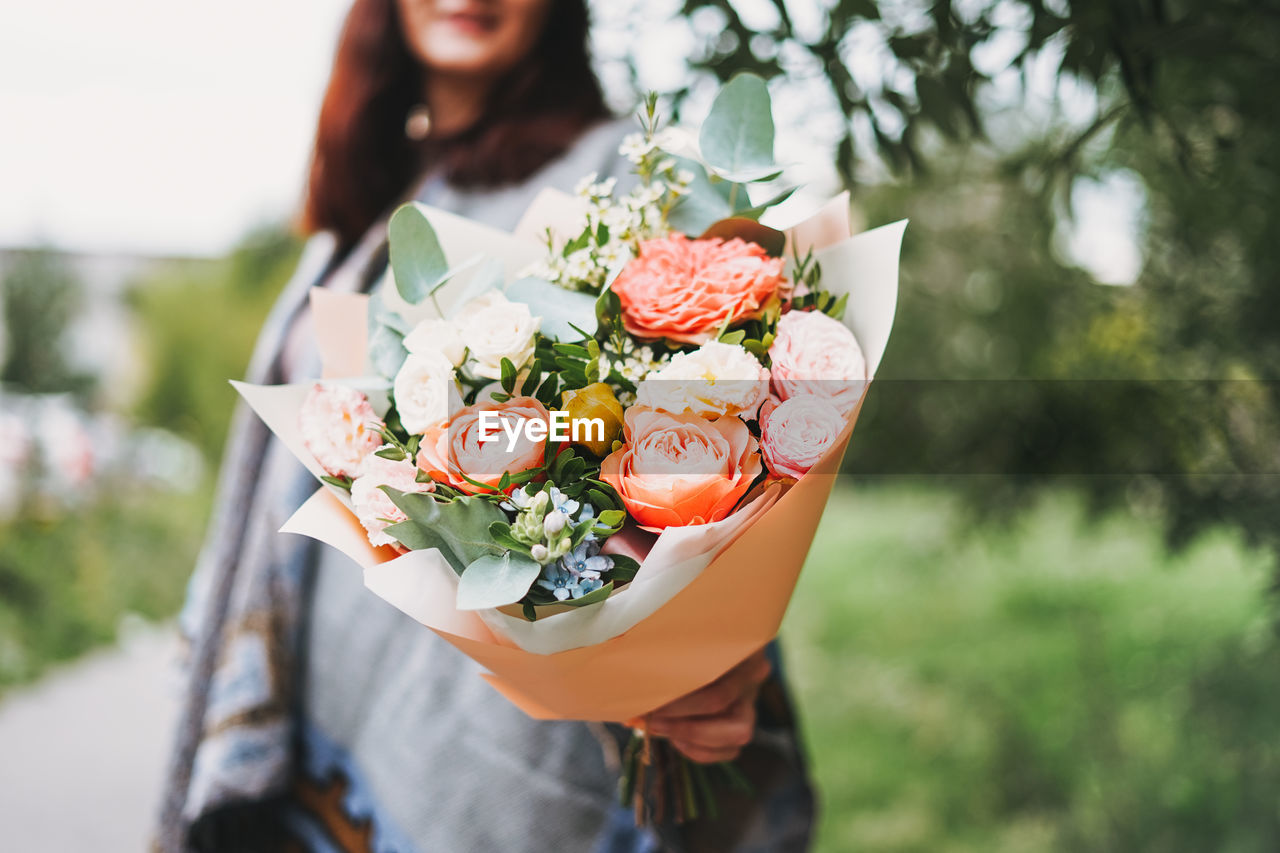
{"x":1162,"y":396}
{"x":200,"y":321}
{"x":41,"y":297}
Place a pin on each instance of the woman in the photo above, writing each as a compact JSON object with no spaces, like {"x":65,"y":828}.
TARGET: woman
{"x":318,"y":717}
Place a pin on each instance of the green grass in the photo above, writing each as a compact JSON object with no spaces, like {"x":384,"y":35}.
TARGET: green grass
{"x":1048,"y":686}
{"x":66,"y":582}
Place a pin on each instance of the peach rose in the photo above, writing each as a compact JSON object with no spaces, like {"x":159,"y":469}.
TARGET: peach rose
{"x":677,"y":470}
{"x":816,"y":355}
{"x":339,"y":427}
{"x":684,"y":290}
{"x":372,"y":505}
{"x":795,"y":433}
{"x":465,"y":446}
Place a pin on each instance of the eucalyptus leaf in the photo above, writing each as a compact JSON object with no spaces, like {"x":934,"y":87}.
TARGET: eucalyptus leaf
{"x":702,"y":205}
{"x":417,"y":261}
{"x":386,"y":350}
{"x":756,"y":211}
{"x":493,"y":580}
{"x":459,"y":529}
{"x":561,"y":310}
{"x":737,"y":137}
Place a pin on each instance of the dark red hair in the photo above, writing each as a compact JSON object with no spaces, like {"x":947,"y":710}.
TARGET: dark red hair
{"x":363,"y":162}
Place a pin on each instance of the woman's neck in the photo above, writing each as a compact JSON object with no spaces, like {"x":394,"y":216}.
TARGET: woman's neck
{"x":455,"y":103}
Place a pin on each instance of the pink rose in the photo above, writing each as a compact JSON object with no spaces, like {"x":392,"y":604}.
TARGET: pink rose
{"x":816,"y":355}
{"x":373,"y":506}
{"x":684,"y":290}
{"x":676,"y":470}
{"x":339,"y":427}
{"x":795,"y":433}
{"x":477,"y":442}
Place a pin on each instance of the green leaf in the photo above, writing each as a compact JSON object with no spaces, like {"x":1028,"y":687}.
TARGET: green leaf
{"x":737,"y":136}
{"x":508,"y":375}
{"x":459,"y":528}
{"x":756,"y":211}
{"x":340,"y":482}
{"x":624,"y":568}
{"x":594,"y":597}
{"x":417,"y":260}
{"x":501,"y":533}
{"x":612,"y":517}
{"x":386,"y":350}
{"x":700,"y":207}
{"x":496,"y":579}
{"x":561,"y":310}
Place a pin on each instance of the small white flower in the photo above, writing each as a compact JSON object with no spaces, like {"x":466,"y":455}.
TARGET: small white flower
{"x":540,"y":553}
{"x":583,"y":186}
{"x":634,"y":147}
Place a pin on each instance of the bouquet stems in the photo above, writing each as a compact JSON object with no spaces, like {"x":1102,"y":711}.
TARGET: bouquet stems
{"x":655,"y":775}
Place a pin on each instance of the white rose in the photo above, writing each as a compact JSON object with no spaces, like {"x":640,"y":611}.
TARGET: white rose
{"x":436,"y":335}
{"x":715,"y":379}
{"x":494,"y":328}
{"x":423,"y":389}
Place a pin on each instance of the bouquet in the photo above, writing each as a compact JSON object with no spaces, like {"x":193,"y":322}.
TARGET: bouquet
{"x":592,"y":454}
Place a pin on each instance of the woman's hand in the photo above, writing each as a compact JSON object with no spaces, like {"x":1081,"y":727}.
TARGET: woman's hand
{"x":713,"y":723}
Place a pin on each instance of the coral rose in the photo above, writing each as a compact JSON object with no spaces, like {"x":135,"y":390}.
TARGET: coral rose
{"x":339,"y":427}
{"x":465,"y":446}
{"x":676,"y":470}
{"x":816,"y":355}
{"x":372,"y":505}
{"x":797,"y":432}
{"x":684,"y":290}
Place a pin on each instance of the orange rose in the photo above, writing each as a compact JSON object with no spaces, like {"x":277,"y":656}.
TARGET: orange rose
{"x":676,"y":470}
{"x":484,"y":441}
{"x":684,"y":290}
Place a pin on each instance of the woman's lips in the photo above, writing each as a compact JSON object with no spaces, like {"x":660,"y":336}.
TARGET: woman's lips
{"x":472,"y":23}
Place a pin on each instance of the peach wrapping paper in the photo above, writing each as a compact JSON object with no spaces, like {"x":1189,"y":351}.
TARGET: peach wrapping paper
{"x":704,"y":598}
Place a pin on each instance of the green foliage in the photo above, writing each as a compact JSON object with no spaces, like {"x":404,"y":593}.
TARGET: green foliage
{"x":736,"y":138}
{"x":566,"y":315}
{"x":41,"y":296}
{"x":494,"y":580}
{"x":1049,"y":686}
{"x":459,"y":529}
{"x":417,"y":260}
{"x":199,"y":322}
{"x":65,"y":583}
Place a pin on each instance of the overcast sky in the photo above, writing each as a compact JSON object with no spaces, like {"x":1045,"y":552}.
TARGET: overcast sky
{"x":156,"y":126}
{"x":162,"y":127}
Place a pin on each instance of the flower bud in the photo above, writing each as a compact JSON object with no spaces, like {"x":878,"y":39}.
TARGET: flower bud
{"x":554,"y":522}
{"x":540,"y":553}
{"x":594,"y":401}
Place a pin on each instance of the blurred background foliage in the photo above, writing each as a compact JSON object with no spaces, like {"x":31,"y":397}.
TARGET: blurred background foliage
{"x":1040,"y":618}
{"x":1161,"y":94}
{"x":201,"y":321}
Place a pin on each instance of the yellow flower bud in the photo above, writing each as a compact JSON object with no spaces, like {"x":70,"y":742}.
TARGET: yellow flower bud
{"x":595,"y":401}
